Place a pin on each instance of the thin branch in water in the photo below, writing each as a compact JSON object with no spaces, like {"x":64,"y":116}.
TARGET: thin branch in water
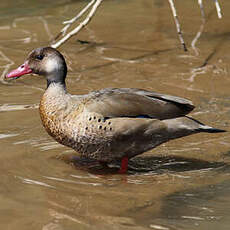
{"x":200,"y":31}
{"x":218,"y":9}
{"x":71,"y":21}
{"x":218,"y":47}
{"x":200,"y":2}
{"x":178,"y":27}
{"x":80,"y":26}
{"x":208,"y":58}
{"x":195,"y":39}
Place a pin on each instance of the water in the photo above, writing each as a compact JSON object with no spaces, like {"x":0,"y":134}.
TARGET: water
{"x":183,"y":184}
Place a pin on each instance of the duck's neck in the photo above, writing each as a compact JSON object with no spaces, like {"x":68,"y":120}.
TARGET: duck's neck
{"x":59,"y":83}
{"x":56,"y":89}
{"x":55,"y":99}
{"x":53,"y":107}
{"x":58,"y":75}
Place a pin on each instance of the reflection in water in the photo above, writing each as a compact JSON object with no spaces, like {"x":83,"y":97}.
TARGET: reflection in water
{"x":181,"y":185}
{"x":199,"y":206}
{"x":3,"y":135}
{"x":6,"y":107}
{"x":33,"y":182}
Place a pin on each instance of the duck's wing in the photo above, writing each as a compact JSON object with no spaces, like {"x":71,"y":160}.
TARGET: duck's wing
{"x":129,"y":102}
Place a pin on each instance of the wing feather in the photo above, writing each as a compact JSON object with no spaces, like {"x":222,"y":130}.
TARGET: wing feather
{"x":130,"y":102}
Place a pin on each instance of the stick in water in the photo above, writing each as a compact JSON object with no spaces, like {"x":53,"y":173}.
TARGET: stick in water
{"x":178,"y":27}
{"x":81,"y":25}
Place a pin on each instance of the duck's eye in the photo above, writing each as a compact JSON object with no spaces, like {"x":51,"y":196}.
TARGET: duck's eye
{"x":39,"y":57}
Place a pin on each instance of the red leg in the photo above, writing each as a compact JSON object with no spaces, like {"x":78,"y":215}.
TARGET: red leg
{"x":124,"y":165}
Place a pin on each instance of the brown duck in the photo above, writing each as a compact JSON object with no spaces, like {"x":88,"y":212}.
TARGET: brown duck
{"x":109,"y":124}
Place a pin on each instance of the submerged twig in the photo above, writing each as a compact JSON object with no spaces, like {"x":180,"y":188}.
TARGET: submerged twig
{"x":193,"y":43}
{"x":96,"y":3}
{"x":200,"y":2}
{"x":200,"y":31}
{"x":195,"y":39}
{"x":71,"y":21}
{"x":208,"y":58}
{"x":178,"y":27}
{"x":218,"y":9}
{"x":81,"y":25}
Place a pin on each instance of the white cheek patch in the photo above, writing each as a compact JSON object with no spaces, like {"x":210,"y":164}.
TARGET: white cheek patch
{"x":51,"y":65}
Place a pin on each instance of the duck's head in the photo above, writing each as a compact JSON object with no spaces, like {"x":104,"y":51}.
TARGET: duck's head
{"x":45,"y":61}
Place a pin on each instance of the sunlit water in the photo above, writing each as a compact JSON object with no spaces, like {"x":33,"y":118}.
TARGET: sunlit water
{"x":184,"y":184}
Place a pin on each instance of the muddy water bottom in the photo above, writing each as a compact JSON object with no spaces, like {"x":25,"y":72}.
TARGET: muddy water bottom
{"x":183,"y":184}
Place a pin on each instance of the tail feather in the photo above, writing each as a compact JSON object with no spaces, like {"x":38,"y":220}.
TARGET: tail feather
{"x":209,"y":129}
{"x":205,"y":128}
{"x":184,"y":126}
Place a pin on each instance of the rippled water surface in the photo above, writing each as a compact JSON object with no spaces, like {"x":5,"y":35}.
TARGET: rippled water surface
{"x":184,"y":184}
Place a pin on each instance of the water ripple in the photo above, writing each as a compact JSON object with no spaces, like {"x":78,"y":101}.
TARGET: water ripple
{"x":3,"y":135}
{"x":7,"y":107}
{"x":34,"y":182}
{"x":73,"y":181}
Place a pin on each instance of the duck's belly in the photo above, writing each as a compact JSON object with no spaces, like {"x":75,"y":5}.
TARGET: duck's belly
{"x":91,"y":137}
{"x":89,"y":143}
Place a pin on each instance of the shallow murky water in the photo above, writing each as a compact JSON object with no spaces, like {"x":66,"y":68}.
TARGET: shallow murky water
{"x":183,"y":184}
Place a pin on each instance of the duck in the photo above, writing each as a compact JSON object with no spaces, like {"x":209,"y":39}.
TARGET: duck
{"x":108,"y":124}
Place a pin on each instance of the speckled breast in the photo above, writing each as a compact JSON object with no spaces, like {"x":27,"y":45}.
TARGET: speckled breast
{"x":88,"y":134}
